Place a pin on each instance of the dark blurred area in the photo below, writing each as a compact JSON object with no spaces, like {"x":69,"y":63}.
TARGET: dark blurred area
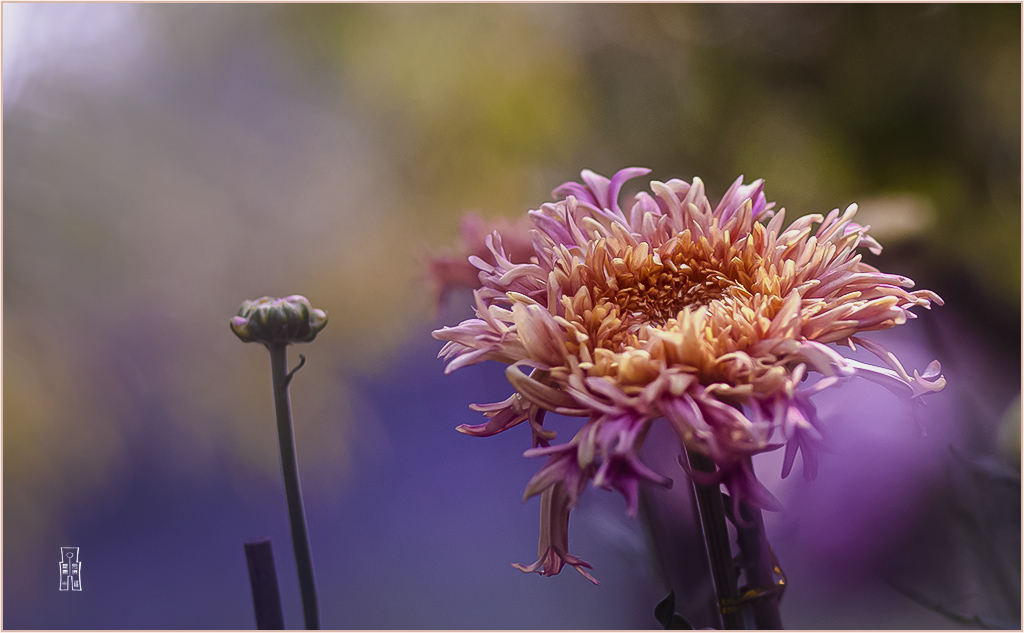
{"x":164,"y":162}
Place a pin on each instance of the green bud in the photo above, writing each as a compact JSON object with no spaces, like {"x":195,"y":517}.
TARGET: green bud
{"x":273,"y":321}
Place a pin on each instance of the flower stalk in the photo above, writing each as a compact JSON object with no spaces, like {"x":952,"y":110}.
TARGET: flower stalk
{"x":292,"y":489}
{"x":765,"y":580}
{"x":266,"y":598}
{"x":277,"y":323}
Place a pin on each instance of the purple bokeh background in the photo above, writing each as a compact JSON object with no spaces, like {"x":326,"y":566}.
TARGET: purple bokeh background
{"x":164,"y":162}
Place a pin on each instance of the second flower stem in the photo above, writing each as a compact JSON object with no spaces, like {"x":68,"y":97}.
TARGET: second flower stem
{"x":292,"y":489}
{"x":761,"y":569}
{"x":716,"y":538}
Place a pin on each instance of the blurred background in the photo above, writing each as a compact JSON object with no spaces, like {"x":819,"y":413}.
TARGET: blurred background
{"x":164,"y":162}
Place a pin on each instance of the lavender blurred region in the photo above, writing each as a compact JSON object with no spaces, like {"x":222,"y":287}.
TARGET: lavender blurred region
{"x":163,"y":162}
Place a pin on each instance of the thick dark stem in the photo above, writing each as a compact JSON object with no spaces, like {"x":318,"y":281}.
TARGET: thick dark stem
{"x":716,"y":537}
{"x":292,"y":490}
{"x":266,"y":599}
{"x":760,"y":567}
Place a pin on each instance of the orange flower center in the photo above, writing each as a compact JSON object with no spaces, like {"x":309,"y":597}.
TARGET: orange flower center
{"x":651,"y":286}
{"x":658,"y":292}
{"x":617,"y":293}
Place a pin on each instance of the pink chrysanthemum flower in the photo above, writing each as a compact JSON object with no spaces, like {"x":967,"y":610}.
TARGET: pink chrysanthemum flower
{"x":709,"y":317}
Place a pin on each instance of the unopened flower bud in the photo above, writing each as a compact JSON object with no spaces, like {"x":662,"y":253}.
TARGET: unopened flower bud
{"x":287,"y":320}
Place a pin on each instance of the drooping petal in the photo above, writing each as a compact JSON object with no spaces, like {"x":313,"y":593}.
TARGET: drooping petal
{"x":553,"y":545}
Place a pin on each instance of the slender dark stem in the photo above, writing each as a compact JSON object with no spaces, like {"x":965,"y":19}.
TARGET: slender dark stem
{"x":292,"y":489}
{"x":716,"y":537}
{"x":266,"y":598}
{"x":760,"y":567}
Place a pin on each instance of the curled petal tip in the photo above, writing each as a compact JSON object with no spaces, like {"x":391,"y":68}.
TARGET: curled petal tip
{"x":526,"y":569}
{"x":551,"y":563}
